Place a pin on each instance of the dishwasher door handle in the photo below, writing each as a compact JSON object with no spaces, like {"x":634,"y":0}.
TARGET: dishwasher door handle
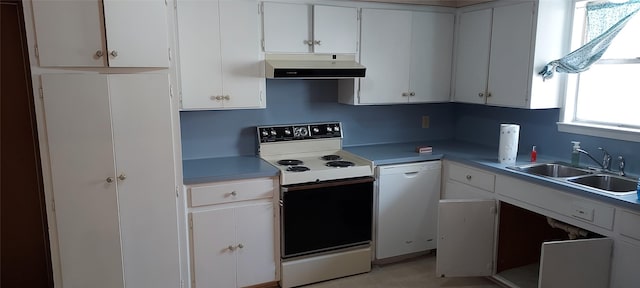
{"x":411,"y":174}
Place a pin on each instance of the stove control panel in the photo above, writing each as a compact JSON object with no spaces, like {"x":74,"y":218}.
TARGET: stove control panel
{"x":279,"y":133}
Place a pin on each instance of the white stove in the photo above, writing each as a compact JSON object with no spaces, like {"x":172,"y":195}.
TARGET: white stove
{"x":310,"y":153}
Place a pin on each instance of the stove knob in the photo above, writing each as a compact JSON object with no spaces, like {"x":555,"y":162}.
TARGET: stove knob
{"x":273,"y":133}
{"x":336,"y":128}
{"x":287,"y":132}
{"x":265,"y":133}
{"x":329,"y":129}
{"x":316,"y":130}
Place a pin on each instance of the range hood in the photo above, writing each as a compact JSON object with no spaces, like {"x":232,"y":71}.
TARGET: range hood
{"x":312,"y":66}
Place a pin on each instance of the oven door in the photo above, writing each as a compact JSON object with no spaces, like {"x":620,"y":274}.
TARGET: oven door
{"x":325,"y":216}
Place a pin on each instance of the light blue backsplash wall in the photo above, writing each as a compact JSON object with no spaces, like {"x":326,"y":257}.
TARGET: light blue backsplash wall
{"x":232,"y":132}
{"x":481,"y":124}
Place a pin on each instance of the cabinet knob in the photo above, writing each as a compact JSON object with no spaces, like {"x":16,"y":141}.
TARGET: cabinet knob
{"x":405,"y":94}
{"x":468,"y":177}
{"x":233,"y":193}
{"x":240,"y":246}
{"x":480,"y":94}
{"x":227,"y":97}
{"x":218,"y":97}
{"x":99,"y":53}
{"x":231,"y":248}
{"x":412,"y":93}
{"x":122,"y":176}
{"x":109,"y":180}
{"x":316,"y":42}
{"x":489,"y":94}
{"x":114,"y":53}
{"x":308,"y":42}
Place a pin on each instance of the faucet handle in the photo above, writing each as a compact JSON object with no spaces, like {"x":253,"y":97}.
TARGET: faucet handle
{"x":606,"y":159}
{"x":621,"y":165}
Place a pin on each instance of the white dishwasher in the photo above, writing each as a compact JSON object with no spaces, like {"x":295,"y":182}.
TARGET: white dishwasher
{"x":407,"y":208}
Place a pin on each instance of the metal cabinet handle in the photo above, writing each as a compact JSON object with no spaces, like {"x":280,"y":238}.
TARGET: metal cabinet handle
{"x":468,"y":177}
{"x":114,"y":53}
{"x":480,"y":94}
{"x":99,"y":53}
{"x":122,"y":176}
{"x":109,"y":180}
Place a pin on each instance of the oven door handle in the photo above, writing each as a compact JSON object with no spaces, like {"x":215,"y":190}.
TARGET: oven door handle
{"x":327,"y":184}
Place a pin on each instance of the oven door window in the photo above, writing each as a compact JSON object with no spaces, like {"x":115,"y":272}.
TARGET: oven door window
{"x":323,"y":218}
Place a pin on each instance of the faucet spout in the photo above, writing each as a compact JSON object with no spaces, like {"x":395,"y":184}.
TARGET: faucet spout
{"x":594,"y":159}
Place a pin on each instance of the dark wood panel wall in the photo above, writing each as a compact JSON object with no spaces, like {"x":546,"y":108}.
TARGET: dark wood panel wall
{"x":24,"y":242}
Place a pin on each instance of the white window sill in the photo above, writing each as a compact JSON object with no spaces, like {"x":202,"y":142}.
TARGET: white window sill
{"x":620,"y":133}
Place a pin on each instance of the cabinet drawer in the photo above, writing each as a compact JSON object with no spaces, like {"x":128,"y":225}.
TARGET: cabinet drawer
{"x":628,"y":224}
{"x":231,"y":191}
{"x":472,"y":177}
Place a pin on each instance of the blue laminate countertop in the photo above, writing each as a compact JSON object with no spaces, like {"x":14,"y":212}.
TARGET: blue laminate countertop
{"x":197,"y":171}
{"x":486,"y":158}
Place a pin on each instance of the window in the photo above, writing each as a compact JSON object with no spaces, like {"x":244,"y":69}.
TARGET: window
{"x":605,"y":100}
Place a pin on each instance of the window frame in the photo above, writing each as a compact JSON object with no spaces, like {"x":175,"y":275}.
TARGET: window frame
{"x":567,"y":121}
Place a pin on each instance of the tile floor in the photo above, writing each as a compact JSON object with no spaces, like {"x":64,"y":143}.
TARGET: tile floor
{"x":413,"y":273}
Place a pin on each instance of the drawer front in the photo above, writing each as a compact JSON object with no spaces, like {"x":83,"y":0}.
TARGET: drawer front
{"x":628,"y":224}
{"x":568,"y":205}
{"x":472,"y":177}
{"x":231,"y":191}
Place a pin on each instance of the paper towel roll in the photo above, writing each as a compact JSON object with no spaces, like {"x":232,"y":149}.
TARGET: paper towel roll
{"x":508,"y":148}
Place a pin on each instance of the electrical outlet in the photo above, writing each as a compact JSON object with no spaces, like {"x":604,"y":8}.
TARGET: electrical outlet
{"x":425,"y":121}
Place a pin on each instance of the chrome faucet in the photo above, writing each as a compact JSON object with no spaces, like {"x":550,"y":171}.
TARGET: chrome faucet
{"x":606,"y":160}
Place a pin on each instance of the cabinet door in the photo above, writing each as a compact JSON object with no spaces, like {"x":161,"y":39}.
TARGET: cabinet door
{"x":200,"y":53}
{"x":336,"y":29}
{"x":143,"y":141}
{"x":214,"y":244}
{"x":431,"y":54}
{"x":255,"y":231}
{"x":472,"y":56}
{"x":509,"y":72}
{"x":287,"y":27}
{"x":407,"y":208}
{"x":466,"y":238}
{"x":385,"y":48}
{"x":242,"y":65}
{"x":81,"y":151}
{"x":69,"y":33}
{"x":137,"y":33}
{"x":624,"y":264}
{"x":581,"y":263}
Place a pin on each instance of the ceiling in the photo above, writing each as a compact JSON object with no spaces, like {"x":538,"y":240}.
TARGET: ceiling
{"x":448,"y":3}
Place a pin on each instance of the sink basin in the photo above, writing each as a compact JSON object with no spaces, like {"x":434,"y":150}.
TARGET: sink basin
{"x":555,"y":170}
{"x":609,"y":183}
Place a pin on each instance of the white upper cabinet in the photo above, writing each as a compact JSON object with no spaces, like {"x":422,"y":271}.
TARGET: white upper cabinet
{"x":221,"y":65}
{"x":75,"y":33}
{"x":501,"y":49}
{"x":301,"y":28}
{"x":408,"y":57}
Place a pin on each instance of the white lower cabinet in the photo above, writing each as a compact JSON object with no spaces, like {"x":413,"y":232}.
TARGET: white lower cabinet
{"x":510,"y":237}
{"x":407,"y":208}
{"x":233,"y":242}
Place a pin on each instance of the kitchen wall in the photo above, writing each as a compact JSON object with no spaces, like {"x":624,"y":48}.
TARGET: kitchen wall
{"x":232,"y":132}
{"x":480,"y":124}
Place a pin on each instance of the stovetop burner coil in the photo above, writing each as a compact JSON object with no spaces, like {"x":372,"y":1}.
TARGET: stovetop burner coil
{"x":290,"y":162}
{"x":298,"y":168}
{"x":340,"y":164}
{"x":331,"y":157}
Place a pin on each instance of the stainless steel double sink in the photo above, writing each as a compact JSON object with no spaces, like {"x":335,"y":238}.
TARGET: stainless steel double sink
{"x":602,"y":181}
